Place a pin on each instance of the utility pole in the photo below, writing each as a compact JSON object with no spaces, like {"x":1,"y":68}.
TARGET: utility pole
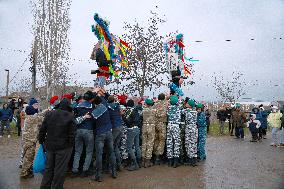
{"x":7,"y":85}
{"x":33,"y":68}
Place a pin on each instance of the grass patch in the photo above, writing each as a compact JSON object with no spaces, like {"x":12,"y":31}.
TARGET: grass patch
{"x":215,"y":131}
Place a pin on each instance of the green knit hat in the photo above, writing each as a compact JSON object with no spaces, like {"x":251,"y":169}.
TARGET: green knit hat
{"x":173,"y":100}
{"x":238,"y":105}
{"x":149,"y":101}
{"x":199,"y":105}
{"x":191,"y":103}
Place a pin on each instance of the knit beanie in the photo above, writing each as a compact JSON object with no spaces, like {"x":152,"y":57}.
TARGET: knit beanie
{"x":149,"y":102}
{"x":238,"y":105}
{"x":32,"y":101}
{"x":173,"y":100}
{"x":130,"y":103}
{"x":199,"y":105}
{"x":89,"y":95}
{"x":191,"y":103}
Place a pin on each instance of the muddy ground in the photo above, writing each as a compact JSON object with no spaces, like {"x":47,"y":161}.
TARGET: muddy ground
{"x":230,"y":163}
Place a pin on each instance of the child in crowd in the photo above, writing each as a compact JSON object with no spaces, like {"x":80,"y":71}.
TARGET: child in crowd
{"x":30,"y":137}
{"x":116,"y":121}
{"x":131,"y":119}
{"x":253,"y":124}
{"x":103,"y":130}
{"x":148,"y":132}
{"x":173,"y":132}
{"x":191,"y":131}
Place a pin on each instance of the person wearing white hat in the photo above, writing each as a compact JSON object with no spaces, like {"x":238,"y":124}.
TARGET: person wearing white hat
{"x":274,"y":121}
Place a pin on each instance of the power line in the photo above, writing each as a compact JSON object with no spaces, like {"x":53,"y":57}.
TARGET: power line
{"x":19,"y":70}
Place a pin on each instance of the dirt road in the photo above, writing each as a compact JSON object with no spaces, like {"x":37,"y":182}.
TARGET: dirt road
{"x":230,"y":163}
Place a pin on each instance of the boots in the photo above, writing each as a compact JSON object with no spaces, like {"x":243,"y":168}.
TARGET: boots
{"x":98,"y":176}
{"x":170,"y":162}
{"x":114,"y":172}
{"x":134,"y":166}
{"x":175,"y":164}
{"x":187,"y":161}
{"x":157,"y":160}
{"x":148,"y":163}
{"x":143,"y":162}
{"x":190,"y":161}
{"x":119,"y":167}
{"x":194,"y":160}
{"x":139,"y":162}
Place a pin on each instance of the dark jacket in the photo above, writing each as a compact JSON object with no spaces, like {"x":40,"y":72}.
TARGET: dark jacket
{"x":114,"y":113}
{"x":222,"y":115}
{"x":229,"y":112}
{"x":139,"y":109}
{"x":252,"y":127}
{"x":263,"y":121}
{"x":6,"y":114}
{"x":103,"y":123}
{"x":131,"y":117}
{"x":81,"y":110}
{"x":58,"y":130}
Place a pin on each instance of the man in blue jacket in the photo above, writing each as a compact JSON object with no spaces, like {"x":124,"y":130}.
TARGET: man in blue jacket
{"x":84,"y":134}
{"x":116,"y":121}
{"x":104,"y":136}
{"x":6,"y":116}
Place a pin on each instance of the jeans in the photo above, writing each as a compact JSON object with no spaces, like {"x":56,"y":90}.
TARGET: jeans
{"x":117,"y":134}
{"x":87,"y":137}
{"x":133,"y":135}
{"x":2,"y":125}
{"x":100,"y":140}
{"x":274,"y":135}
{"x":239,"y":132}
{"x":282,"y":136}
{"x":55,"y":168}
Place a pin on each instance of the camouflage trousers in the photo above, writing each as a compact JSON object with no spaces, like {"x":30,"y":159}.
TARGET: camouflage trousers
{"x":191,"y":136}
{"x":173,"y":141}
{"x":182,"y":141}
{"x":29,"y":154}
{"x":160,"y":137}
{"x":201,"y":142}
{"x":123,"y":142}
{"x":148,"y":137}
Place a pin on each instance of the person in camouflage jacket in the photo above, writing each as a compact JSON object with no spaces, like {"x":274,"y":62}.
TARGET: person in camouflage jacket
{"x":32,"y":123}
{"x":191,"y":131}
{"x":173,"y":132}
{"x":148,"y":132}
{"x":161,"y":107}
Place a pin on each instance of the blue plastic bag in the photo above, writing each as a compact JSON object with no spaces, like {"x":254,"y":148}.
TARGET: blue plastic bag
{"x":39,"y":161}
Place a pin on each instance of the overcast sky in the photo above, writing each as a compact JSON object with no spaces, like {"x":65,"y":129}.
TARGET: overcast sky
{"x":212,"y":21}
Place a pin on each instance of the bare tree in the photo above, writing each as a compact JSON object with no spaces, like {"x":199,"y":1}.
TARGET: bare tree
{"x":22,"y":85}
{"x":147,"y":67}
{"x":230,"y":90}
{"x":51,"y":25}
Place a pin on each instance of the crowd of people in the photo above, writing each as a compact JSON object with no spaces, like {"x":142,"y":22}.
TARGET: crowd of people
{"x":97,"y":132}
{"x":257,"y":121}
